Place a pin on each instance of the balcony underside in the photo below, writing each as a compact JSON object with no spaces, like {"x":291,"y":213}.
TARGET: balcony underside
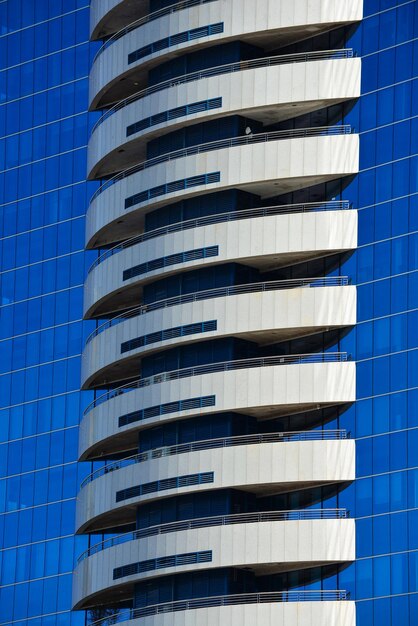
{"x":109,"y":16}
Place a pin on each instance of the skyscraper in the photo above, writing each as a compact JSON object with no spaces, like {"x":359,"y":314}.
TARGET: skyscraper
{"x":247,"y":438}
{"x":225,"y":228}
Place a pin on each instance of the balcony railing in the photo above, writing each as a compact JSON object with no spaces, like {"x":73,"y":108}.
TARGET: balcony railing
{"x":245,"y":214}
{"x":211,"y":444}
{"x":221,"y":292}
{"x":232,"y":600}
{"x":173,"y":8}
{"x":212,"y":368}
{"x":221,"y":520}
{"x":295,"y":133}
{"x":230,"y":68}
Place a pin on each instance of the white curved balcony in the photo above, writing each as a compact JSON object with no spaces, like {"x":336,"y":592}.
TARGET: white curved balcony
{"x":261,"y":464}
{"x":269,"y":90}
{"x":124,"y":61}
{"x":265,"y":238}
{"x":262,"y":313}
{"x":211,"y":444}
{"x":309,"y":608}
{"x":264,"y":388}
{"x":265,"y":544}
{"x":215,"y":521}
{"x":266,"y":164}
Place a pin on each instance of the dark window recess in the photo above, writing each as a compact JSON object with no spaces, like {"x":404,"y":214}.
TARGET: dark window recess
{"x":172,"y":259}
{"x":200,"y":206}
{"x":169,"y":333}
{"x":177,"y":185}
{"x":203,"y":583}
{"x":165,"y":409}
{"x":175,"y":40}
{"x":190,"y":558}
{"x":172,"y":114}
{"x":164,"y":485}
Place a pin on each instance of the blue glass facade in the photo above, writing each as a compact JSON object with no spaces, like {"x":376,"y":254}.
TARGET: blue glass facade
{"x":384,"y":499}
{"x":44,"y":127}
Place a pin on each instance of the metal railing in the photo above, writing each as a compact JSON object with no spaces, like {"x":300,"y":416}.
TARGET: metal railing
{"x":212,"y":444}
{"x":318,"y":131}
{"x":231,"y":600}
{"x":220,"y":520}
{"x":229,"y":68}
{"x":221,"y":292}
{"x":212,"y":368}
{"x":173,"y":8}
{"x":334,"y":205}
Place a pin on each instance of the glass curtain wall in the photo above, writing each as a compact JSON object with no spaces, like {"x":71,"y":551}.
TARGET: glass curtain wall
{"x":384,"y":499}
{"x":44,"y":63}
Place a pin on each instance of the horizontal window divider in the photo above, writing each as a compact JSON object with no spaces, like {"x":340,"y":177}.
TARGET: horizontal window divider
{"x":213,"y":368}
{"x":170,"y":260}
{"x":173,"y":114}
{"x":173,"y":560}
{"x":174,"y":40}
{"x":212,"y":444}
{"x":222,"y":292}
{"x":167,"y":334}
{"x":165,"y":484}
{"x":172,"y":187}
{"x":165,"y":409}
{"x":238,"y":66}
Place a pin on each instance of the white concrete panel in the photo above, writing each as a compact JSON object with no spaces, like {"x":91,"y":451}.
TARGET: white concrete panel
{"x":263,"y":547}
{"x":263,"y":391}
{"x":271,"y":314}
{"x":264,"y":467}
{"x":274,"y":241}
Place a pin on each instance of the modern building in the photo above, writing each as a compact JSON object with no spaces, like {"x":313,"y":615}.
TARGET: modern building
{"x":226,"y":148}
{"x":247,"y":426}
